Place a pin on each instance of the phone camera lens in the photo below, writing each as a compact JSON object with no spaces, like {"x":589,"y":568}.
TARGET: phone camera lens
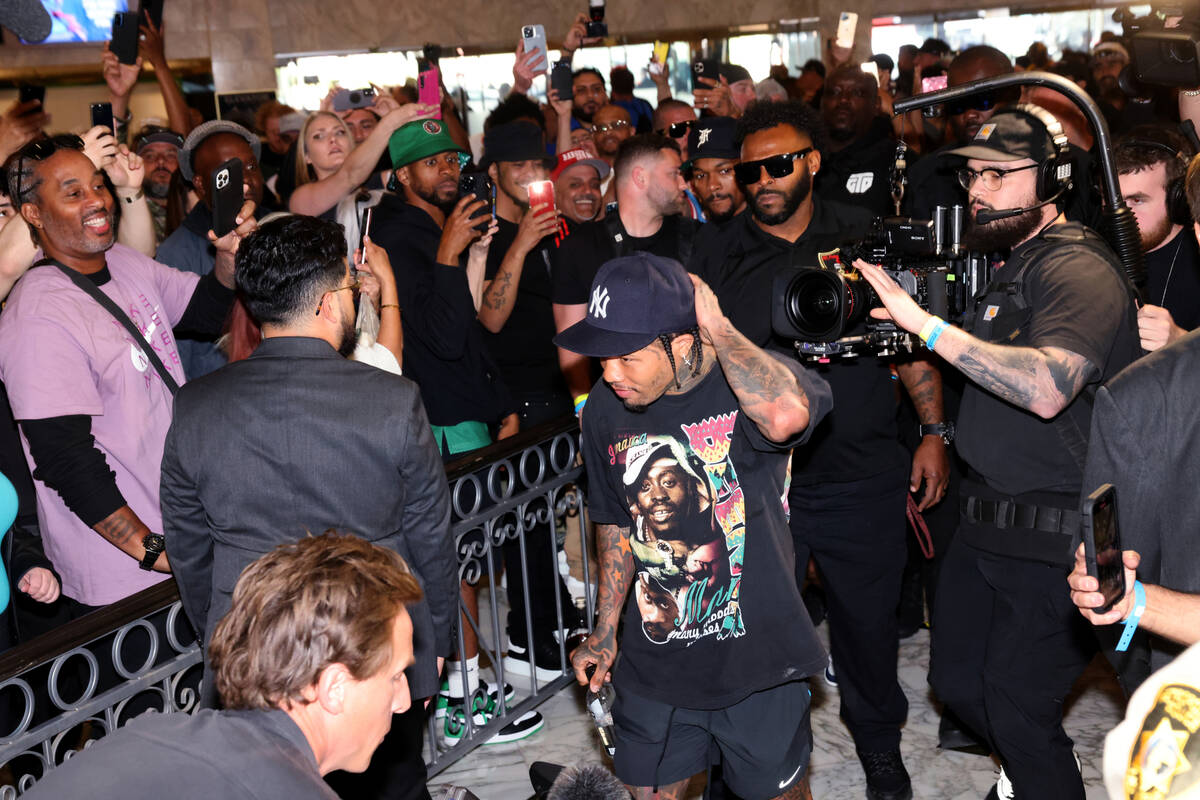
{"x":356,"y":97}
{"x":528,"y":32}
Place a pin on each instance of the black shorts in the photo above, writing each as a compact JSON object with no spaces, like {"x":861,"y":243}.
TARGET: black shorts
{"x":763,"y":742}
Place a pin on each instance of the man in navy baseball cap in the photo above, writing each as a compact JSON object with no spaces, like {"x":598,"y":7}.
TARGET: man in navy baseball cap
{"x":687,"y":459}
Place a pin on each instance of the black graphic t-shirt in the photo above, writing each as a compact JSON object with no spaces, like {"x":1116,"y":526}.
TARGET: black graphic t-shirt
{"x":714,"y":612}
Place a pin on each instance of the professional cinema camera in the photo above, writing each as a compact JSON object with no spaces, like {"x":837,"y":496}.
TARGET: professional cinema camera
{"x":1162,"y":55}
{"x":819,"y":306}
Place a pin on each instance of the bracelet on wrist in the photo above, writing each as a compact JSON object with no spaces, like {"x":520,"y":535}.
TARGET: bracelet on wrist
{"x":580,"y":400}
{"x":133,"y":198}
{"x":1135,"y":616}
{"x":389,"y":305}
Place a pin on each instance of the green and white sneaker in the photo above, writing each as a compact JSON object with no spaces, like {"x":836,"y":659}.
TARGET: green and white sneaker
{"x":454,"y":723}
{"x":444,"y":700}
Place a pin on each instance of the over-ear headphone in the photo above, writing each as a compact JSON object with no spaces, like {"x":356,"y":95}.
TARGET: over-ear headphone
{"x":1055,"y":172}
{"x":1177,"y":203}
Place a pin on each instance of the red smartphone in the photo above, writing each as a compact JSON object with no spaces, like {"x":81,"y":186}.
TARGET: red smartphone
{"x":427,"y":89}
{"x":541,"y":193}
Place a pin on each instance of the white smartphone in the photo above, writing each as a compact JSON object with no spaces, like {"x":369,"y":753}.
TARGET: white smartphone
{"x":534,"y":37}
{"x":847,"y":23}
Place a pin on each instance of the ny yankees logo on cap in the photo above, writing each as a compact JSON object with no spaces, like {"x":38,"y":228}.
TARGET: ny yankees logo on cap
{"x":598,"y":308}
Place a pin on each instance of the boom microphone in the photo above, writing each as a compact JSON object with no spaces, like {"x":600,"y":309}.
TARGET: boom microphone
{"x":985,"y":216}
{"x":26,"y":18}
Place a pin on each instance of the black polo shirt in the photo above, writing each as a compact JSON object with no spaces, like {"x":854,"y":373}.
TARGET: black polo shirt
{"x":859,"y":438}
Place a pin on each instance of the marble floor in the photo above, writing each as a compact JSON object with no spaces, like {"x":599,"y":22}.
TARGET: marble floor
{"x":501,"y":772}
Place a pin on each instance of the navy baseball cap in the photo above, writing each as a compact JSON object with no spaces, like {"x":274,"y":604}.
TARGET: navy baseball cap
{"x":634,"y":300}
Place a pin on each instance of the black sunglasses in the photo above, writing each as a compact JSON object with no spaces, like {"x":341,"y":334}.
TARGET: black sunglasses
{"x":978,"y":102}
{"x":676,"y":129}
{"x":40,"y":150}
{"x":779,"y":166}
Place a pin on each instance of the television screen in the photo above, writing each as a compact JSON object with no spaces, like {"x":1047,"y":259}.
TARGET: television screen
{"x":82,"y":20}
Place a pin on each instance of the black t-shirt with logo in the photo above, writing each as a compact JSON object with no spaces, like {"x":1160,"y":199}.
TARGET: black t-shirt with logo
{"x":860,"y":174}
{"x":590,"y":244}
{"x":714,"y":612}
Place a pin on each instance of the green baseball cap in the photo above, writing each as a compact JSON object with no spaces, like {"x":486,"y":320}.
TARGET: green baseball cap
{"x":420,"y":139}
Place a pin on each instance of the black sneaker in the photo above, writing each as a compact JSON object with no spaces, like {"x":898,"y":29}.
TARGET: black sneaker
{"x":545,"y":657}
{"x":887,"y":779}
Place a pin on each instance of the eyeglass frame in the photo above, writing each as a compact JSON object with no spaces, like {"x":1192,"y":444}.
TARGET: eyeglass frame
{"x":355,"y":286}
{"x":966,"y":176}
{"x":759,"y":165}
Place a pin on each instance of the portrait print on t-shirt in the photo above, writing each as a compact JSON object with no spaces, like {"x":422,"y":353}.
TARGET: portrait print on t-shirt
{"x":688,"y":535}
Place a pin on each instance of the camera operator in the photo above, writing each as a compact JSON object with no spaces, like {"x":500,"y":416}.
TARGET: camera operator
{"x":848,"y":488}
{"x":858,"y":161}
{"x":1151,"y":161}
{"x":650,"y":200}
{"x":1057,"y":320}
{"x":715,"y":153}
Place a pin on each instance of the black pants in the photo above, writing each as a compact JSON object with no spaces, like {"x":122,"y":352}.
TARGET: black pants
{"x":1007,"y":646}
{"x":855,"y":531}
{"x":397,"y":770}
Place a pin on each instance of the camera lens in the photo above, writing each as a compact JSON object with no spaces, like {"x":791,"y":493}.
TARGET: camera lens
{"x":528,"y":32}
{"x":814,"y":301}
{"x":356,"y":97}
{"x":1181,"y":52}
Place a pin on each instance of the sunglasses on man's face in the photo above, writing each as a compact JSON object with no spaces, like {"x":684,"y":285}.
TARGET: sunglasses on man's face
{"x":779,"y":166}
{"x":676,"y":129}
{"x":978,"y":102}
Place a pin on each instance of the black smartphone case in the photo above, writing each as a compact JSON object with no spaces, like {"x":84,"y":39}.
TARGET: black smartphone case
{"x":561,"y":80}
{"x":225,"y":191}
{"x":125,"y":37}
{"x":102,"y":114}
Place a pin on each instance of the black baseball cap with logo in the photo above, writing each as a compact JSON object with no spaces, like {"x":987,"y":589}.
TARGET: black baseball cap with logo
{"x":713,"y":137}
{"x":1010,"y":135}
{"x":634,"y":300}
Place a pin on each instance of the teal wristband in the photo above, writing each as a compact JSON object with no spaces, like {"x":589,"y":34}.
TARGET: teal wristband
{"x":1135,"y":616}
{"x":937,"y":331}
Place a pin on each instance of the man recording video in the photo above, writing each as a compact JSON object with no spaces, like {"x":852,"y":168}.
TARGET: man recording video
{"x":1057,"y":320}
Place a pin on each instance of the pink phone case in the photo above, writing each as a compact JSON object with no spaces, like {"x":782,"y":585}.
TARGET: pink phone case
{"x":427,"y":89}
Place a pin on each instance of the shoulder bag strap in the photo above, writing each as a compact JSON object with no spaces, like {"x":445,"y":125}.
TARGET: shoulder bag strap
{"x":104,"y":300}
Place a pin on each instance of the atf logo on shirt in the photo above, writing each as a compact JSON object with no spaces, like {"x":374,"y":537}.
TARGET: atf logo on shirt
{"x":860,"y":182}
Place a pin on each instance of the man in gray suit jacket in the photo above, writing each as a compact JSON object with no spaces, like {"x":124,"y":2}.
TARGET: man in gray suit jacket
{"x":297,"y":439}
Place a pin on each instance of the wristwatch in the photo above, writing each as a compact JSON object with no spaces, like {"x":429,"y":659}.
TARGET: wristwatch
{"x":942,"y":429}
{"x":154,"y":543}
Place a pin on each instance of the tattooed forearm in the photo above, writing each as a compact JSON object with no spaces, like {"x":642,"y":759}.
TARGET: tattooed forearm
{"x":616,"y":571}
{"x":1043,"y":380}
{"x":766,"y":390}
{"x":924,"y":384}
{"x":125,"y":530}
{"x":498,"y":297}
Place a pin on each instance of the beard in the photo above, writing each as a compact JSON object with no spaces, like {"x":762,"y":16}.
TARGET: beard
{"x":1153,"y":238}
{"x":1002,"y":234}
{"x":349,"y":338}
{"x":791,"y":201}
{"x":720,"y":217}
{"x":431,"y":196}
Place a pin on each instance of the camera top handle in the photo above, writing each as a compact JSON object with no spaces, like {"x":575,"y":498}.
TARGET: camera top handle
{"x":1120,"y":226}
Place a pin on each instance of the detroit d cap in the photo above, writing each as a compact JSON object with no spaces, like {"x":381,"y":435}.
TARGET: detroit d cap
{"x":420,"y":139}
{"x":634,"y":299}
{"x":1008,"y":136}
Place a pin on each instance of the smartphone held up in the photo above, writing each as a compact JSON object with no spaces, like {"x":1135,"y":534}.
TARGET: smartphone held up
{"x":1102,"y":545}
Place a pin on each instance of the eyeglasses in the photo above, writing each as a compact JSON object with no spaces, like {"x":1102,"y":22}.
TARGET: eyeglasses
{"x":993,"y":177}
{"x":40,"y":150}
{"x":979,"y":102}
{"x":779,"y":166}
{"x":355,"y":288}
{"x":605,"y":127}
{"x":677,"y":129}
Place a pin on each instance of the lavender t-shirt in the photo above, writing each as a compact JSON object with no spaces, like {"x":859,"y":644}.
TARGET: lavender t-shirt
{"x":61,"y":353}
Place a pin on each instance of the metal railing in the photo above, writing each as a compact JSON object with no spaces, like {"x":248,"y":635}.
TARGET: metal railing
{"x":71,"y":686}
{"x":499,"y":496}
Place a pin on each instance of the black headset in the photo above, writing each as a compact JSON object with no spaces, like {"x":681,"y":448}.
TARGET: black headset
{"x":1055,"y":172}
{"x":1177,"y":202}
